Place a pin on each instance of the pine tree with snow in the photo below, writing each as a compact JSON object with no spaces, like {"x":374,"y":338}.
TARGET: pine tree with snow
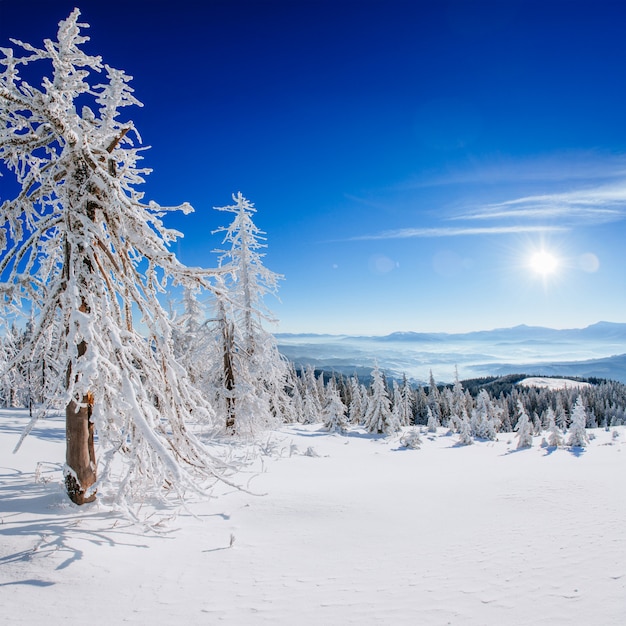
{"x":433,"y":423}
{"x":401,"y":403}
{"x":190,"y":337}
{"x":555,"y":437}
{"x":464,"y":429}
{"x":434,"y":400}
{"x":358,"y":394}
{"x":334,"y":411}
{"x":79,"y":244}
{"x":485,"y":420}
{"x":523,"y":428}
{"x":378,"y":416}
{"x":560,"y":415}
{"x":255,"y":371}
{"x":578,"y":437}
{"x":407,"y":416}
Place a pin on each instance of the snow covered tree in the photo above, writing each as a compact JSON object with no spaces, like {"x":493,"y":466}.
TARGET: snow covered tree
{"x":465,"y":429}
{"x":560,"y":415}
{"x":577,"y":432}
{"x":485,"y":420}
{"x":79,"y":244}
{"x":334,"y":411}
{"x":523,"y":428}
{"x":256,"y":374}
{"x":378,"y":415}
{"x":190,"y":337}
{"x":433,"y":423}
{"x":358,"y":400}
{"x":411,"y":439}
{"x":555,"y":437}
{"x":434,"y":400}
{"x":403,"y":402}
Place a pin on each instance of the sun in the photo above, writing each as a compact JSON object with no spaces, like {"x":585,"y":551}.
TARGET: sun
{"x":543,"y":263}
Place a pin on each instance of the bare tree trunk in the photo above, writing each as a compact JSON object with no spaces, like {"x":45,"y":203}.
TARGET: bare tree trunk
{"x":229,"y":374}
{"x":80,"y":453}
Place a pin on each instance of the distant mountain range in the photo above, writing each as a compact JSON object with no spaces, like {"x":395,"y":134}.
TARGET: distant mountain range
{"x":611,"y":331}
{"x":597,"y":350}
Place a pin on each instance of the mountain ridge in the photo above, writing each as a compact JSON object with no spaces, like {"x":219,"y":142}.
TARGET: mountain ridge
{"x":612,"y":330}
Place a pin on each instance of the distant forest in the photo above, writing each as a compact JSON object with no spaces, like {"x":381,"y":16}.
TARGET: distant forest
{"x":604,"y":400}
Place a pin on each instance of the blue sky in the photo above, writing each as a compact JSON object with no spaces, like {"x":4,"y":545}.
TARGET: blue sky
{"x":406,"y":159}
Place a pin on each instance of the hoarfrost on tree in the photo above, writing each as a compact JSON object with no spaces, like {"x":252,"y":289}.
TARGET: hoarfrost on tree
{"x":81,"y":246}
{"x":254,"y":375}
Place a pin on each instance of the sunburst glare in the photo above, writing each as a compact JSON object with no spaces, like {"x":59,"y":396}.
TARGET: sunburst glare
{"x":544,"y":263}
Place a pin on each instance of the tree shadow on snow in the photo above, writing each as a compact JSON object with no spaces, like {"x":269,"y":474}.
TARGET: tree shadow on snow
{"x":36,"y":511}
{"x":13,"y":422}
{"x":576,"y":451}
{"x":30,"y":581}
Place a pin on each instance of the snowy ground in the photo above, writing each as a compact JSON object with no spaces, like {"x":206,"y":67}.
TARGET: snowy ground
{"x":362,"y":533}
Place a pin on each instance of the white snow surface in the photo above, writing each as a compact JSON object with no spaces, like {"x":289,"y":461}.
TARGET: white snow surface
{"x":352,"y":529}
{"x":553,"y":383}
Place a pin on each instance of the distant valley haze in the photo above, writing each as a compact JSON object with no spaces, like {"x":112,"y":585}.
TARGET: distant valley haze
{"x":596,"y":350}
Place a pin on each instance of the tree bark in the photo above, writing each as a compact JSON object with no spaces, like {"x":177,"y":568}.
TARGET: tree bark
{"x":229,"y":374}
{"x":80,"y":455}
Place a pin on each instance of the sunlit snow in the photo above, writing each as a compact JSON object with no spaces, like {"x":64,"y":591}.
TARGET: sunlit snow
{"x":334,"y":529}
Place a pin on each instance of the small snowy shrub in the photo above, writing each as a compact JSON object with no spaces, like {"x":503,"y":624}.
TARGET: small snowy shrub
{"x":411,"y":439}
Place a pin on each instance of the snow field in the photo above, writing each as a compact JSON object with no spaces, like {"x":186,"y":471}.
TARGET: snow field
{"x":366,"y":532}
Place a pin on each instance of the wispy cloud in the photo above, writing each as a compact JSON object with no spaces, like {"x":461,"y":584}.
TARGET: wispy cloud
{"x":408,"y":233}
{"x":576,"y":189}
{"x":597,"y":205}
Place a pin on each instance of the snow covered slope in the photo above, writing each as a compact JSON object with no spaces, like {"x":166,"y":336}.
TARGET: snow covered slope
{"x":352,"y":530}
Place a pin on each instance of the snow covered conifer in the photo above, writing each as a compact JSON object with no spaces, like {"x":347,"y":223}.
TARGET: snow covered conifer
{"x":560,"y":415}
{"x":433,"y":423}
{"x":523,"y":428}
{"x":465,"y":429}
{"x":258,"y":371}
{"x":79,"y":244}
{"x":577,"y":432}
{"x":358,"y":399}
{"x":334,"y":411}
{"x":378,"y":415}
{"x":485,"y":420}
{"x":555,"y":437}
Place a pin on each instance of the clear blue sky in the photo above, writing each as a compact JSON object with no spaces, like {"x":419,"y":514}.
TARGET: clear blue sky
{"x":406,"y":158}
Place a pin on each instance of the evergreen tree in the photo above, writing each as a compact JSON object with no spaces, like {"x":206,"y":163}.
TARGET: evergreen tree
{"x":560,"y":415}
{"x":358,"y":401}
{"x":334,"y":411}
{"x":255,"y":373}
{"x":577,"y":432}
{"x":464,"y":429}
{"x":485,"y":421}
{"x":378,"y":416}
{"x":433,"y":423}
{"x":523,"y":428}
{"x":310,"y":395}
{"x":555,"y":437}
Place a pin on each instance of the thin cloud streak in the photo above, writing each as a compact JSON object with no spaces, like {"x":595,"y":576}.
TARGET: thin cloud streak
{"x":599,"y":205}
{"x":408,"y":233}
